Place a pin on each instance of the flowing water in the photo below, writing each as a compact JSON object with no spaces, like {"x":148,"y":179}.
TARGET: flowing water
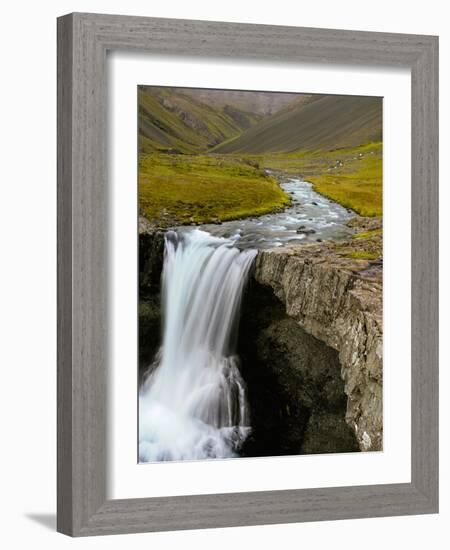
{"x":310,"y":217}
{"x":192,"y":402}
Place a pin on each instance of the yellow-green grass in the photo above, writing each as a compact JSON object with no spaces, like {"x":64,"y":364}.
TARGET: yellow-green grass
{"x":360,"y":189}
{"x":363,"y":255}
{"x":310,"y":161}
{"x":365,"y":245}
{"x":182,"y":189}
{"x":367,"y":234}
{"x":351,"y":177}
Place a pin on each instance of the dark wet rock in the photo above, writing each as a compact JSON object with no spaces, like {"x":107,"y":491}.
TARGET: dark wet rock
{"x":151,"y":254}
{"x":151,"y":257}
{"x":149,"y":329}
{"x":305,"y":231}
{"x":324,"y":430}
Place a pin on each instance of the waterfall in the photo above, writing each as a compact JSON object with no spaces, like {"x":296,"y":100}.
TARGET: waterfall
{"x":192,"y":402}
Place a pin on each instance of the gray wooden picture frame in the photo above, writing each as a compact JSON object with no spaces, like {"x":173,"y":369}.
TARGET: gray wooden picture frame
{"x":83,"y":42}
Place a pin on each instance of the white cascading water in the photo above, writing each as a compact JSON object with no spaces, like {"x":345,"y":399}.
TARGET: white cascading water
{"x":192,"y":404}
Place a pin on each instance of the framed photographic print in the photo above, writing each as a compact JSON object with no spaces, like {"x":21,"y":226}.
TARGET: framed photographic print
{"x":247,"y":274}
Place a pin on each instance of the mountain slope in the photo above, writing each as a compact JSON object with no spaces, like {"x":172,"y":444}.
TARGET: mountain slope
{"x":171,"y":121}
{"x":258,"y":103}
{"x":323,"y":123}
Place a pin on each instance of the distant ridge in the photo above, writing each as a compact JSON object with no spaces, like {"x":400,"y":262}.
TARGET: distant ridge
{"x":323,"y":122}
{"x":259,"y":103}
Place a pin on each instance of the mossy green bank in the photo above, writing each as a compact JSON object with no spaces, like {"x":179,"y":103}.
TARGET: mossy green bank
{"x":352,"y":177}
{"x":185,"y":189}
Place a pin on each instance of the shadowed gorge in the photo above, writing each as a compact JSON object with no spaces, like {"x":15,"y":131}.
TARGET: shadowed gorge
{"x":295,"y":390}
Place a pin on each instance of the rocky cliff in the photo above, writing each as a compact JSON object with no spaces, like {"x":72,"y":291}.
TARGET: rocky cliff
{"x":294,"y":385}
{"x":335,"y":294}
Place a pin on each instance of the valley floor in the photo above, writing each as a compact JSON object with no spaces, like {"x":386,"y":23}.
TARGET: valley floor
{"x":177,"y":189}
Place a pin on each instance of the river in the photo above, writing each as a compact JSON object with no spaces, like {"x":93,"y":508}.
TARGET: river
{"x":310,"y":217}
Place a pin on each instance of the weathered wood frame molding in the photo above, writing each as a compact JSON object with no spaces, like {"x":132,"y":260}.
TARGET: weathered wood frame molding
{"x":83,"y":42}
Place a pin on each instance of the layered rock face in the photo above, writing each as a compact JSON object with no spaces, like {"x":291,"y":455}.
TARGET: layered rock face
{"x":294,"y":385}
{"x":338,"y":300}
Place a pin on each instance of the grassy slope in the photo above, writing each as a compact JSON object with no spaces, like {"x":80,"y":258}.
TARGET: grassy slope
{"x":359,"y":188}
{"x":182,"y":189}
{"x":351,"y":177}
{"x":171,"y":121}
{"x":324,"y":123}
{"x":160,"y":129}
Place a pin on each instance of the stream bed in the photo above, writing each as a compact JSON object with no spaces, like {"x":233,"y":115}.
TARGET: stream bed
{"x":311,"y":217}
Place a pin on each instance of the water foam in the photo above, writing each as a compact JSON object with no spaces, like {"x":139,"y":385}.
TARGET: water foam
{"x":192,"y":403}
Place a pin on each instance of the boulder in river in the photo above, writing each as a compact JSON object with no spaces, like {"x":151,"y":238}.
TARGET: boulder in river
{"x":305,"y":231}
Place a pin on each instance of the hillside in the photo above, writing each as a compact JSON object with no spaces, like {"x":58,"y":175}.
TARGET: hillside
{"x":175,"y":122}
{"x":322,"y":123}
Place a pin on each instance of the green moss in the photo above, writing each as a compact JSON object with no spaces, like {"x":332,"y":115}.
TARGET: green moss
{"x":363,"y":255}
{"x":368,"y":234}
{"x":183,"y":189}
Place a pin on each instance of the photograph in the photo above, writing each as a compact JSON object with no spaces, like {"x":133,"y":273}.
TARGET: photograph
{"x":260,"y":273}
